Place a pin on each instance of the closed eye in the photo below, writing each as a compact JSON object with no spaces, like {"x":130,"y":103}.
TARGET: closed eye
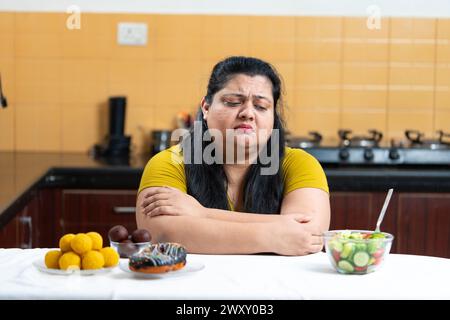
{"x":231,"y":104}
{"x":260,"y":108}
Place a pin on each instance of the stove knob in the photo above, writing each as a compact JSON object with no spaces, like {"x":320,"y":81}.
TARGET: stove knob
{"x":393,"y":154}
{"x":344,"y":154}
{"x":368,"y":154}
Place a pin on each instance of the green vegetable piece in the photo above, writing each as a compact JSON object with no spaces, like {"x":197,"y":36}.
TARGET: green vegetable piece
{"x":371,"y":260}
{"x":377,"y":235}
{"x":347,"y":250}
{"x":361,"y":259}
{"x":356,"y":236}
{"x":335,"y":245}
{"x":361,"y":247}
{"x":373,"y":246}
{"x":345,"y":266}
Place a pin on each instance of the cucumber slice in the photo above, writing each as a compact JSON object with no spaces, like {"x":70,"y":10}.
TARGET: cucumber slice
{"x":347,"y":250}
{"x":345,"y":266}
{"x":361,"y":259}
{"x":335,"y":245}
{"x":373,"y":246}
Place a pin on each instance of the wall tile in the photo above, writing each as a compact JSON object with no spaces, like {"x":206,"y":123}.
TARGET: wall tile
{"x":81,"y":126}
{"x":337,"y":72}
{"x":400,"y":120}
{"x":38,"y":81}
{"x":7,"y":34}
{"x":360,"y":120}
{"x":38,"y":127}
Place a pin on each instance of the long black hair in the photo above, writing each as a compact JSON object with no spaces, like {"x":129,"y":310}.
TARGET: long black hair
{"x":207,"y":182}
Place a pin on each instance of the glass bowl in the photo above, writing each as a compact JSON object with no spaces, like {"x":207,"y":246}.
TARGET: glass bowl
{"x":127,"y":249}
{"x":357,"y":251}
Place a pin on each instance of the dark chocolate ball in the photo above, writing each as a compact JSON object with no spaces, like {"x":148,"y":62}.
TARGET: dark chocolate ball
{"x":141,"y":235}
{"x":118,"y":233}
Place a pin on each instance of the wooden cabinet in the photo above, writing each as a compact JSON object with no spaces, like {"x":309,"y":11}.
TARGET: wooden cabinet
{"x":21,"y":231}
{"x":54,"y":212}
{"x":420,"y":222}
{"x":425,"y":224}
{"x":97,"y":210}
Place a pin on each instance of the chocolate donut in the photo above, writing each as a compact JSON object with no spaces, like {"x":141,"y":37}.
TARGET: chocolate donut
{"x":159,"y":258}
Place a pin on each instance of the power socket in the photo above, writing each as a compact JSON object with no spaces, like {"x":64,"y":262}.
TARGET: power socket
{"x":132,"y":34}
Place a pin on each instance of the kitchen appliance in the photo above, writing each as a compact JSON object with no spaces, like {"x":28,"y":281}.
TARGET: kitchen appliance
{"x":3,"y":101}
{"x":115,"y":144}
{"x":370,"y":151}
{"x":160,"y":140}
{"x":313,"y":140}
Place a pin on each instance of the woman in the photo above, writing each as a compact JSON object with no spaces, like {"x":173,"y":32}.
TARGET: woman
{"x":231,"y":206}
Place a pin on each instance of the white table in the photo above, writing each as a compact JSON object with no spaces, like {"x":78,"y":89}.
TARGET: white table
{"x":233,"y":277}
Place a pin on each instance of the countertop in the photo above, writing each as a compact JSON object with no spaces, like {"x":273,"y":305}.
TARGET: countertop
{"x":228,"y":277}
{"x":22,"y":173}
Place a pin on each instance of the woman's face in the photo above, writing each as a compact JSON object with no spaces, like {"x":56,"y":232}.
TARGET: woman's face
{"x":245,"y":108}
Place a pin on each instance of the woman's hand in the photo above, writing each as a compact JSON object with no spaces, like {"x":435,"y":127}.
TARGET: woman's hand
{"x":171,"y":201}
{"x":293,"y":235}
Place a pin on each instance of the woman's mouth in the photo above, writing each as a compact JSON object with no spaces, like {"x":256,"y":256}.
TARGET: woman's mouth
{"x":244,"y":128}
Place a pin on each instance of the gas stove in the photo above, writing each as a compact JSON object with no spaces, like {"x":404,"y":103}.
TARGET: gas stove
{"x":368,"y":150}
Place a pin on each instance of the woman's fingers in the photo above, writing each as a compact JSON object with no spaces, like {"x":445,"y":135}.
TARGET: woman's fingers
{"x":316,"y":240}
{"x":162,"y":210}
{"x":155,"y":204}
{"x":155,"y":190}
{"x":156,"y":197}
{"x":315,"y":248}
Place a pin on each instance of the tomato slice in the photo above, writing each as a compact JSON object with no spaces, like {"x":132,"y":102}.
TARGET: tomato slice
{"x":359,"y":269}
{"x":336,"y":255}
{"x":379,"y":253}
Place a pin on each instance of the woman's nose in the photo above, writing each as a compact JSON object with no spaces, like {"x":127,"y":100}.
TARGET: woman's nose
{"x":247,"y":111}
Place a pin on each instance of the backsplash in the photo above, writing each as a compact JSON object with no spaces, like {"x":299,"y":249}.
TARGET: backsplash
{"x":337,"y":72}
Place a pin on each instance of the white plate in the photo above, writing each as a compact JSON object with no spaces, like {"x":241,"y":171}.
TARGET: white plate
{"x":40,"y":265}
{"x":190,"y":268}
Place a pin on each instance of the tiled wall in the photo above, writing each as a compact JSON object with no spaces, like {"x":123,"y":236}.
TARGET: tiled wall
{"x":337,"y":73}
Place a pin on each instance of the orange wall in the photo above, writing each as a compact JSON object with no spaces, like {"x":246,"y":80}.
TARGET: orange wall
{"x":338,"y":74}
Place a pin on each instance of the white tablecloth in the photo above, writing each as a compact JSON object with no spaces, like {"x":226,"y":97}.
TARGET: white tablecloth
{"x":233,"y":277}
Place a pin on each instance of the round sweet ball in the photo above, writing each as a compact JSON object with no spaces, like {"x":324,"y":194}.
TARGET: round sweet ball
{"x":97,"y":240}
{"x":52,"y":259}
{"x":64,"y":242}
{"x":70,"y":260}
{"x":92,"y":260}
{"x":111,"y":257}
{"x":118,"y":233}
{"x":141,"y":235}
{"x":81,"y":243}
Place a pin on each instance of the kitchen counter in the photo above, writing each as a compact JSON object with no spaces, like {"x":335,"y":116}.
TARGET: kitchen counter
{"x":231,"y":277}
{"x":23,"y":173}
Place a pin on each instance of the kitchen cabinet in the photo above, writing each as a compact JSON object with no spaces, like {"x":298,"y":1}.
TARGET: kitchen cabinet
{"x":54,"y":212}
{"x":420,"y":222}
{"x":97,"y":210}
{"x":20,"y":232}
{"x":425,"y":224}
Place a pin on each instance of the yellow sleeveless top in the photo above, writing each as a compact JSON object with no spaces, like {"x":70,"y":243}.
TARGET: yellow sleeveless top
{"x":300,"y":170}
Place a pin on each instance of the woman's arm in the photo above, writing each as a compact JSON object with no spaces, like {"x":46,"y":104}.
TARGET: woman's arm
{"x":284,"y":235}
{"x":171,"y":201}
{"x":311,"y":201}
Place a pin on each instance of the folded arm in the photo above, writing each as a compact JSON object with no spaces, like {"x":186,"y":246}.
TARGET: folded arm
{"x":171,"y":215}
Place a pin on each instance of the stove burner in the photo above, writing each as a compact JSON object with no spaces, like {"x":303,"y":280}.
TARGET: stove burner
{"x":360,"y":141}
{"x":416,"y":141}
{"x":305,"y":142}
